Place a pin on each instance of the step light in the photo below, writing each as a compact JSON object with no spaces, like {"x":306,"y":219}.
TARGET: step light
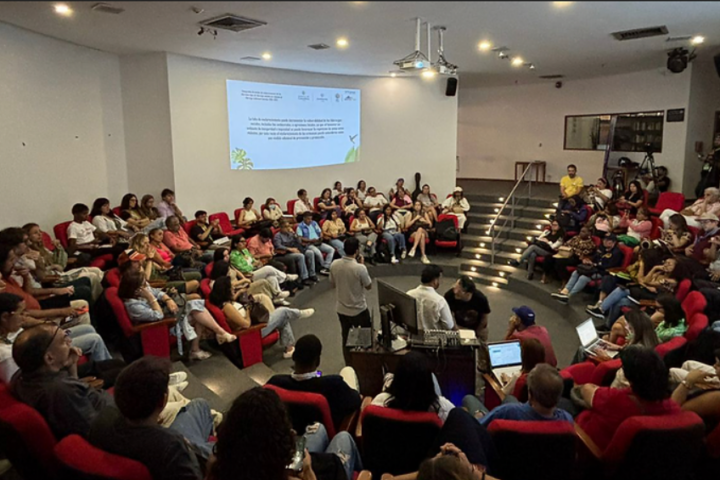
{"x":502,"y":274}
{"x":539,"y":227}
{"x":494,"y":284}
{"x":482,"y":245}
{"x":501,"y":199}
{"x":529,"y":238}
{"x":477,"y":256}
{"x":518,"y":250}
{"x":473,"y":269}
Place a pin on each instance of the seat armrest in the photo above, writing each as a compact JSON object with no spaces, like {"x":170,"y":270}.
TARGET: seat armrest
{"x":615,"y":270}
{"x":250,"y":329}
{"x":157,"y":283}
{"x":364,"y":475}
{"x":349,"y":423}
{"x":588,"y":442}
{"x":490,"y":380}
{"x":169,"y":322}
{"x":649,"y":303}
{"x":358,"y":430}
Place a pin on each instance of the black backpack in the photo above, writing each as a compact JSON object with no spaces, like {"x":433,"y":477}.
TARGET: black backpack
{"x":445,"y":230}
{"x":382,"y":254}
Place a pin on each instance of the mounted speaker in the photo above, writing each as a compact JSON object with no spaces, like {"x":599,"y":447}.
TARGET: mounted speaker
{"x":716,"y":58}
{"x":451,"y":88}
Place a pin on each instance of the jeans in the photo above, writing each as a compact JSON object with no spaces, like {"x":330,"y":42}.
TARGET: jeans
{"x":86,"y":339}
{"x":195,"y":423}
{"x":280,"y":320}
{"x":338,"y":245}
{"x":530,"y":254}
{"x":318,"y":250}
{"x":364,"y":239}
{"x":341,"y":445}
{"x":299,"y":260}
{"x":613,"y":303}
{"x":577,"y":283}
{"x":394,"y":239}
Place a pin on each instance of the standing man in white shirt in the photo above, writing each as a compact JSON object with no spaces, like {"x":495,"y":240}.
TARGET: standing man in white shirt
{"x":350,"y":279}
{"x":433,"y":310}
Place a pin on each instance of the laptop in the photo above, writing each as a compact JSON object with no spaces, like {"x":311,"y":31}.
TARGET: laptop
{"x":505,"y":358}
{"x":591,"y":341}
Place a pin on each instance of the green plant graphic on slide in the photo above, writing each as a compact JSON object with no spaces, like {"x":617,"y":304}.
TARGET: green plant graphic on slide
{"x":240,"y":161}
{"x":352,"y":154}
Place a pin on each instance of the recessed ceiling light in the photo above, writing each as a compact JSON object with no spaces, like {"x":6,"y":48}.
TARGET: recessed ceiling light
{"x":517,"y":61}
{"x":62,"y":9}
{"x":393,"y":74}
{"x":427,"y":73}
{"x":485,"y":45}
{"x":697,"y":40}
{"x":266,"y":56}
{"x":562,"y":4}
{"x":342,"y":42}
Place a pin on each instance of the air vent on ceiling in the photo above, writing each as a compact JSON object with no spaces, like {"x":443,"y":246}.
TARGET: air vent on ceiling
{"x":319,"y":46}
{"x":551,"y":77}
{"x":232,"y":22}
{"x":640,"y":33}
{"x":250,"y":59}
{"x":105,"y":8}
{"x":679,"y":39}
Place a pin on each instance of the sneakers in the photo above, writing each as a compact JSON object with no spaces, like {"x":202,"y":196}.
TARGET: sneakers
{"x":289,"y":353}
{"x":180,"y":386}
{"x":225,"y":337}
{"x":291,"y":277}
{"x":394,"y":260}
{"x":200,"y":355}
{"x":177,"y":377}
{"x":307,"y":312}
{"x":324,"y":271}
{"x":514,"y":263}
{"x":425,"y":260}
{"x":633,"y":300}
{"x":595,"y":312}
{"x":403,"y":254}
{"x":309,"y":282}
{"x":281,"y":303}
{"x":560,"y":297}
{"x":412,"y":252}
{"x":283,"y":295}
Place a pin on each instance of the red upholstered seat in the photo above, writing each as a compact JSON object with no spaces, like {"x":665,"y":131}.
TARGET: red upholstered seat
{"x":449,"y":243}
{"x":291,"y":207}
{"x":208,"y":269}
{"x":683,"y":289}
{"x":47,"y":241}
{"x":305,"y":408}
{"x":205,"y":287}
{"x":396,"y":441}
{"x":251,"y":339}
{"x":696,"y":324}
{"x":537,"y":450}
{"x":26,"y":438}
{"x":188,"y":226}
{"x":80,"y":459}
{"x":657,"y":224}
{"x":672,"y":200}
{"x":60,"y":231}
{"x":694,"y":302}
{"x":602,"y":373}
{"x":316,"y":200}
{"x":225,"y":226}
{"x":117,"y":210}
{"x":113,"y":277}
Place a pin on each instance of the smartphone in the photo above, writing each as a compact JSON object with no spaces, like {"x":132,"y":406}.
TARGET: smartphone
{"x":296,"y":465}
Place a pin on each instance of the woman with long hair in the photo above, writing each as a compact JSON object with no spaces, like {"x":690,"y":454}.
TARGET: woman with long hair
{"x":243,"y":261}
{"x":350,"y":203}
{"x":272,"y":211}
{"x":633,"y":199}
{"x":107,"y":222}
{"x":248,"y":215}
{"x":361,"y":190}
{"x":532,"y":353}
{"x":147,"y":207}
{"x":240,"y":317}
{"x":389,"y":228}
{"x":337,"y":191}
{"x":413,"y":388}
{"x":142,"y":303}
{"x":429,"y":201}
{"x":678,"y":236}
{"x":130,"y":212}
{"x":364,"y":230}
{"x":544,"y":245}
{"x":333,"y":232}
{"x":401,"y":201}
{"x":326,"y":204}
{"x":183,"y":282}
{"x":417,"y":226}
{"x":244,"y":286}
{"x":669,"y":317}
{"x":599,"y":194}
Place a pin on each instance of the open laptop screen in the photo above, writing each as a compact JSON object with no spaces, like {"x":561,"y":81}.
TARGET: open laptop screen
{"x":587,"y":333}
{"x":505,"y":354}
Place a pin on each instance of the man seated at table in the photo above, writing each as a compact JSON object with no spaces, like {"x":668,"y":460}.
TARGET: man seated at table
{"x":341,"y":391}
{"x":432,"y":309}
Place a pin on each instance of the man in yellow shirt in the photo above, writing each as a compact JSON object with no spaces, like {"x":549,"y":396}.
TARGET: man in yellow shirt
{"x":570,"y":185}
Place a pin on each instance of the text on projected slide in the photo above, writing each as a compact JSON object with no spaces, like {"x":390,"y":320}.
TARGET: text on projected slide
{"x":275,"y":126}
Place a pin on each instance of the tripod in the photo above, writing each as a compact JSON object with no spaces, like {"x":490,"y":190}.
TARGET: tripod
{"x":649,"y":160}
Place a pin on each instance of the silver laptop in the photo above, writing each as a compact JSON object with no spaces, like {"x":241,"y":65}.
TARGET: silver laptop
{"x":590,"y":340}
{"x":505,"y":358}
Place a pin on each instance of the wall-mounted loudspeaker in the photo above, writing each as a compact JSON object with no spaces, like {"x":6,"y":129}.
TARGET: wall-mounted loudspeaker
{"x":451,"y":88}
{"x":717,"y":63}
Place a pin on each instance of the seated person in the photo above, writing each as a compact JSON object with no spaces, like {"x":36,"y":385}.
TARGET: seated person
{"x":374,"y":203}
{"x":326,"y":204}
{"x":245,"y":262}
{"x":569,"y":255}
{"x":12,"y":322}
{"x":413,"y":388}
{"x":350,"y":203}
{"x":166,"y":259}
{"x":607,"y":257}
{"x":429,"y":201}
{"x":533,"y":354}
{"x":647,"y":395}
{"x":433,"y":310}
{"x":457,"y":205}
{"x":522,"y":326}
{"x":570,"y":185}
{"x":545,"y":388}
{"x":241,"y":316}
{"x":363,"y":229}
{"x":398,"y":185}
{"x":677,"y":236}
{"x":261,"y":248}
{"x":401,"y":201}
{"x":605,"y":221}
{"x":544,"y":245}
{"x":669,"y":318}
{"x":147,"y":208}
{"x":167,"y":207}
{"x":302,"y":205}
{"x":133,"y":429}
{"x":272,"y":212}
{"x":337,"y":191}
{"x":288,"y":245}
{"x":698,"y":389}
{"x":450,"y":462}
{"x":141,"y":252}
{"x":84,"y":237}
{"x":204,"y":233}
{"x":704,"y":250}
{"x":417,"y":224}
{"x":107,"y":222}
{"x":573,"y":214}
{"x":333,"y":232}
{"x":256,"y":441}
{"x":341,"y":391}
{"x":638,"y":229}
{"x":178,"y":241}
{"x":48,"y":381}
{"x":249,"y":217}
{"x":136,"y":217}
{"x":389,"y":226}
{"x":633,"y":199}
{"x":463,"y":298}
{"x":243,"y":286}
{"x":311,"y":237}
{"x":709,"y":203}
{"x":599,"y":194}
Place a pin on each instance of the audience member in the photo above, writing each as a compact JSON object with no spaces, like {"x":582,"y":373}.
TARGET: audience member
{"x":570,"y":186}
{"x":205,"y":233}
{"x":573,"y":213}
{"x":389,"y":226}
{"x":333,"y":232}
{"x":340,"y":391}
{"x":698,"y":388}
{"x":469,"y":306}
{"x":243,"y":260}
{"x":350,"y":203}
{"x":361,"y":190}
{"x":311,"y":237}
{"x":399,"y":184}
{"x":599,"y":194}
{"x":337,"y":191}
{"x":288,"y":245}
{"x":350,"y":279}
{"x":429,"y":201}
{"x":544,"y":245}
{"x":107,"y":222}
{"x":249,"y":218}
{"x":272,"y":211}
{"x":302,"y":205}
{"x":458,"y":206}
{"x":130,"y":212}
{"x":532,"y":353}
{"x":83,"y":237}
{"x":522,"y":326}
{"x":401,"y":201}
{"x":147,"y":208}
{"x":374,"y":203}
{"x":133,"y":429}
{"x":569,"y":255}
{"x":363,"y":229}
{"x":709,"y":203}
{"x":261,"y":248}
{"x":633,"y":199}
{"x":326,"y":204}
{"x":433,"y":310}
{"x":178,"y":241}
{"x":417,"y":224}
{"x":678,"y":236}
{"x":244,"y":286}
{"x":638,"y":229}
{"x":167,"y":207}
{"x":702,"y":250}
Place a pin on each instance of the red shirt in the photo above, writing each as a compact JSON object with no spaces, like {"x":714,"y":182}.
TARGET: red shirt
{"x":177,"y":242}
{"x":542,"y":335}
{"x":611,"y":406}
{"x":11,"y":286}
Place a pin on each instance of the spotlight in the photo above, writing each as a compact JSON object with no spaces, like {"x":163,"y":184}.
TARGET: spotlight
{"x":502,"y":55}
{"x":697,"y":40}
{"x":428,"y":73}
{"x":494,"y":284}
{"x":517,"y":61}
{"x":484,"y":45}
{"x":342,"y":42}
{"x":473,"y":269}
{"x":678,"y":59}
{"x":266,"y":56}
{"x":393,"y":74}
{"x":62,"y":9}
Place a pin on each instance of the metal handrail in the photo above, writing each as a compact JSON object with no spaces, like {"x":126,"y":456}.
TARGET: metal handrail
{"x":511,"y":196}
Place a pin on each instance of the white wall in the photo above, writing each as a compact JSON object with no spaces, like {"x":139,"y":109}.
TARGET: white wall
{"x":700,"y":117}
{"x":498,"y":126}
{"x":407,"y":126}
{"x":61,"y":131}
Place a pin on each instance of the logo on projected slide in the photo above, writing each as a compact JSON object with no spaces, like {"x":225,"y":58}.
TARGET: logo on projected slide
{"x":350,"y":97}
{"x":337,"y":97}
{"x":321,"y":98}
{"x":304,"y":97}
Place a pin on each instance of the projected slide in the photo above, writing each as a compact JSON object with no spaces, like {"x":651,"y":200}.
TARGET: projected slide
{"x":287,"y":126}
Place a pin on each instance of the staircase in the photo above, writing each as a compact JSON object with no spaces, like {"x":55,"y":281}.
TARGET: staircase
{"x":525,"y":221}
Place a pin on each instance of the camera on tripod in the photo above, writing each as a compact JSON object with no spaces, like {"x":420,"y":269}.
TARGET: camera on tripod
{"x":649,"y":149}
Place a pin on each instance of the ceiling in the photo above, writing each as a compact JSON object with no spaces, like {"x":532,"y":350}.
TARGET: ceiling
{"x":573,"y":40}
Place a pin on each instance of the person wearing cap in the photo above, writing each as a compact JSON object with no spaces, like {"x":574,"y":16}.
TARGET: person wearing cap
{"x":709,"y":203}
{"x":522,"y":326}
{"x":341,"y":391}
{"x":705,"y":250}
{"x":594,"y":267}
{"x":457,"y":205}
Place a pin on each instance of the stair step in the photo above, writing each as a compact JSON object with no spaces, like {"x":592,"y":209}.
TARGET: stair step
{"x":486,"y":268}
{"x":489,"y":280}
{"x":485,"y":254}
